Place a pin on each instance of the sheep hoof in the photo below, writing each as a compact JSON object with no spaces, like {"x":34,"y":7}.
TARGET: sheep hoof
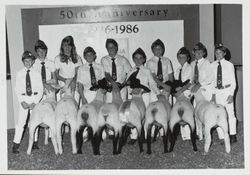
{"x":195,"y":149}
{"x":79,"y":152}
{"x":149,"y":152}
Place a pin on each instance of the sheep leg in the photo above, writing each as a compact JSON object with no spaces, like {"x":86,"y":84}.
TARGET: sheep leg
{"x":123,"y":139}
{"x":173,"y":136}
{"x":96,"y":141}
{"x":156,"y":131}
{"x":79,"y":139}
{"x":149,"y":139}
{"x":165,"y":139}
{"x":59,"y":135}
{"x":224,"y":127}
{"x":52,"y":129}
{"x":32,"y":129}
{"x":193,"y":138}
{"x":46,"y":132}
{"x":140,"y":139}
{"x":115,"y":141}
{"x":207,"y":138}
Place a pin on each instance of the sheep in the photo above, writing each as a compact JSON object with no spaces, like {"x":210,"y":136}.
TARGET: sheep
{"x":132,"y":114}
{"x":87,"y":117}
{"x":157,"y":113}
{"x":210,"y":115}
{"x":109,"y":114}
{"x":43,"y":115}
{"x":66,"y":113}
{"x":182,"y":113}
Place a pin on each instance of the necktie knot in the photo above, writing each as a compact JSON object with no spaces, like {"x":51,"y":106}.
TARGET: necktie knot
{"x":43,"y":63}
{"x":90,"y":65}
{"x":113,"y":59}
{"x":28,"y":71}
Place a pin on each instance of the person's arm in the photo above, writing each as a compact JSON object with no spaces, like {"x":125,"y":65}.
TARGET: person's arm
{"x":165,"y":87}
{"x":59,"y":77}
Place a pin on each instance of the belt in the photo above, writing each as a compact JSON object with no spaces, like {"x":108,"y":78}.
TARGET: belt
{"x":224,"y":87}
{"x":35,"y":93}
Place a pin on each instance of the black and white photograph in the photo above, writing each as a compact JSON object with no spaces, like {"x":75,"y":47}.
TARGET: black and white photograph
{"x":130,"y":87}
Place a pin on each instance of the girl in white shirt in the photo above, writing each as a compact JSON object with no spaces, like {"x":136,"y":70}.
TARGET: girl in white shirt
{"x":67,"y":63}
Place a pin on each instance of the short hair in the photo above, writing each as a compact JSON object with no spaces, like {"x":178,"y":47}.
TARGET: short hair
{"x":184,"y":51}
{"x":88,"y":49}
{"x":110,"y":40}
{"x":200,"y":46}
{"x":141,"y":52}
{"x":158,"y":42}
{"x":40,"y":45}
{"x":220,"y":47}
{"x":28,"y":54}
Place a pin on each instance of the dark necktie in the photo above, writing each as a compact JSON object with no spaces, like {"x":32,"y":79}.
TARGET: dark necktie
{"x":28,"y":84}
{"x":180,"y":75}
{"x":114,"y":74}
{"x":196,"y":73}
{"x":43,"y":72}
{"x":92,"y":75}
{"x":159,"y":70}
{"x":219,"y":76}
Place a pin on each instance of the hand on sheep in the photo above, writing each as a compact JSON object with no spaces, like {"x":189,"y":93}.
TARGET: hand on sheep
{"x":24,"y":105}
{"x":230,"y":99}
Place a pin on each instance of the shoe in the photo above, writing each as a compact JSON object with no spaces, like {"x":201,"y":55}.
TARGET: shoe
{"x":35,"y":146}
{"x":15,"y":148}
{"x":131,"y":141}
{"x":233,"y":138}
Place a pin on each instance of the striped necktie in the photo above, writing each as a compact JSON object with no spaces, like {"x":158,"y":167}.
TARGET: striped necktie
{"x":159,"y":70}
{"x":43,"y":72}
{"x":28,"y":84}
{"x":196,"y":73}
{"x":114,"y":73}
{"x":219,"y":76}
{"x":92,"y":75}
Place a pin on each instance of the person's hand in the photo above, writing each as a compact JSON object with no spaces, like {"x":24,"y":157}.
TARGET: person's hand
{"x":24,"y":105}
{"x":31,"y":106}
{"x":230,"y":99}
{"x":195,"y":88}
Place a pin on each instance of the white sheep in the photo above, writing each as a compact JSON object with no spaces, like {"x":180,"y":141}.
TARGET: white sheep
{"x":87,"y":117}
{"x":66,"y":112}
{"x":109,"y":115}
{"x":131,"y":115}
{"x":158,"y":114}
{"x":210,"y":115}
{"x":182,"y":113}
{"x":43,"y":114}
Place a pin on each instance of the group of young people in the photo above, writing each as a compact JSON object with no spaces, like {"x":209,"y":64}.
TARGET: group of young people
{"x":216,"y":78}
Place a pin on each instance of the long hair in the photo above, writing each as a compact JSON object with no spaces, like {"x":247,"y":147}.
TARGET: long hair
{"x":70,"y":41}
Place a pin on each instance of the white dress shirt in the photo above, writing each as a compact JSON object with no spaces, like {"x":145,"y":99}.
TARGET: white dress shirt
{"x":186,"y":73}
{"x":49,"y":67}
{"x":123,"y":66}
{"x":228,"y":75}
{"x":152,"y":65}
{"x":36,"y":85}
{"x":67,"y":70}
{"x":206,"y":75}
{"x":83,"y":74}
